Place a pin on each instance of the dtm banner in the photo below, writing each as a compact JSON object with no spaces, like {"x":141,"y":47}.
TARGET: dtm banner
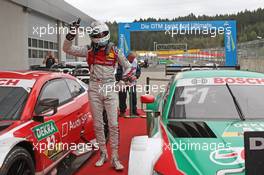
{"x":175,"y":29}
{"x":254,"y":153}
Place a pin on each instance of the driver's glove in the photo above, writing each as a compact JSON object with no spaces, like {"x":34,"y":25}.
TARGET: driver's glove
{"x":73,"y":31}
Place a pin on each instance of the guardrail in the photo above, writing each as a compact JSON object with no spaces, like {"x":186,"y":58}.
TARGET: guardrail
{"x":172,"y":69}
{"x":80,"y":72}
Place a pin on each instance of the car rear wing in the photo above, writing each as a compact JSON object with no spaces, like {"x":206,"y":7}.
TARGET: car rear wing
{"x":173,"y":69}
{"x":79,"y":71}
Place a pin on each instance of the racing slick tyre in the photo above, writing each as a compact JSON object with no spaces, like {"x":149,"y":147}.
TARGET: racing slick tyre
{"x":18,"y":161}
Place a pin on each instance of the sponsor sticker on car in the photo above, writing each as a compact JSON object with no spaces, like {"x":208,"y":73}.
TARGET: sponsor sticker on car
{"x":232,"y":134}
{"x":254,"y":152}
{"x":238,"y":129}
{"x":8,"y":82}
{"x":220,"y":81}
{"x":45,"y":130}
{"x":228,"y":156}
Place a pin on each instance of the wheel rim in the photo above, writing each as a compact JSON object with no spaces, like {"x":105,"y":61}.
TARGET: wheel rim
{"x":20,"y":167}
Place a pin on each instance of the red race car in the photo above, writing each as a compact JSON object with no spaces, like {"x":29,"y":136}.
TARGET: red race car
{"x":44,"y":120}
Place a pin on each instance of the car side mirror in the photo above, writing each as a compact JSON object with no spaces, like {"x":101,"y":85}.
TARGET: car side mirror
{"x":46,"y":107}
{"x":146,"y":99}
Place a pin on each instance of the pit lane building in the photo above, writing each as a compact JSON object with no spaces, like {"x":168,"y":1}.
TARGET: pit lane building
{"x":31,"y":28}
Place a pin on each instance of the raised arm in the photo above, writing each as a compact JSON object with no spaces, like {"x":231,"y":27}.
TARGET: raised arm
{"x":78,"y":51}
{"x":68,"y":47}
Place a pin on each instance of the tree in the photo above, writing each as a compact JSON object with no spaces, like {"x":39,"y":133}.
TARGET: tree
{"x":250,"y":24}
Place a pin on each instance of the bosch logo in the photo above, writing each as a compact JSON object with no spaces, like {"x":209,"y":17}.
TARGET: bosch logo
{"x":229,"y":156}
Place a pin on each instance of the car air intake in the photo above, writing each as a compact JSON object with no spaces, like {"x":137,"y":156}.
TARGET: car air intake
{"x":190,"y":129}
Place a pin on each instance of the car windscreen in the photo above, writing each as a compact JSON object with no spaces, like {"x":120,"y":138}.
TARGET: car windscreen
{"x":216,"y":102}
{"x":12,"y":102}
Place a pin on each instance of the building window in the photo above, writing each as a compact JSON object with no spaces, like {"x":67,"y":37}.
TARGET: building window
{"x":46,"y":44}
{"x":34,"y":43}
{"x":51,"y":45}
{"x":29,"y":53}
{"x":34,"y":53}
{"x":40,"y":53}
{"x":55,"y":46}
{"x":39,"y":48}
{"x":40,"y":43}
{"x":29,"y":42}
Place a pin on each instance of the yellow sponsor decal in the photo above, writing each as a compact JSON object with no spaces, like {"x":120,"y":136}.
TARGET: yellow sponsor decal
{"x":232,"y":134}
{"x":111,"y":55}
{"x":53,"y":150}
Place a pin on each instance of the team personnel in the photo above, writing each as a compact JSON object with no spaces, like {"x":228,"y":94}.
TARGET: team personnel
{"x":50,"y":60}
{"x":136,"y":72}
{"x":102,"y":57}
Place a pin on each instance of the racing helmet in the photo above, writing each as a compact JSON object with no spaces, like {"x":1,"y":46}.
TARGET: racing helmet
{"x":100,"y":33}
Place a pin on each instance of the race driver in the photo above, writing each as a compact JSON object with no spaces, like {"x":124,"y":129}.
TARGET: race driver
{"x":102,"y":57}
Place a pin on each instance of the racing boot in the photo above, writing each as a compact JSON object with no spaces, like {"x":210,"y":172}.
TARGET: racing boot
{"x":115,"y":162}
{"x":103,"y":158}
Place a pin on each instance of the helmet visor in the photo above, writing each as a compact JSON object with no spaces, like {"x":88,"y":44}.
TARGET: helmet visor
{"x":99,"y":35}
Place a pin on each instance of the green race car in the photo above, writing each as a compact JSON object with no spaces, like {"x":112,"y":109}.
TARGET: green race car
{"x":197,"y":126}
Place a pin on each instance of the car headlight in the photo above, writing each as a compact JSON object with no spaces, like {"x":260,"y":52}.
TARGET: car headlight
{"x":155,"y":173}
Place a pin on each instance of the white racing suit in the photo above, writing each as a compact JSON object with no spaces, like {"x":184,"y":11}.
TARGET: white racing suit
{"x":101,"y":95}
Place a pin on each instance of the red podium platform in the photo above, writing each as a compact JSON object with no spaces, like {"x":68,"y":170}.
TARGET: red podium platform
{"x":129,"y":127}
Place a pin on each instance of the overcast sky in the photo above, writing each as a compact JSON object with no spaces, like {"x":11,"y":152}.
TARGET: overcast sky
{"x":129,"y":10}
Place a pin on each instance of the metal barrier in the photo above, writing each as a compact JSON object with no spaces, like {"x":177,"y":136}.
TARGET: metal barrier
{"x":251,"y":55}
{"x":172,"y":69}
{"x":80,"y":72}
